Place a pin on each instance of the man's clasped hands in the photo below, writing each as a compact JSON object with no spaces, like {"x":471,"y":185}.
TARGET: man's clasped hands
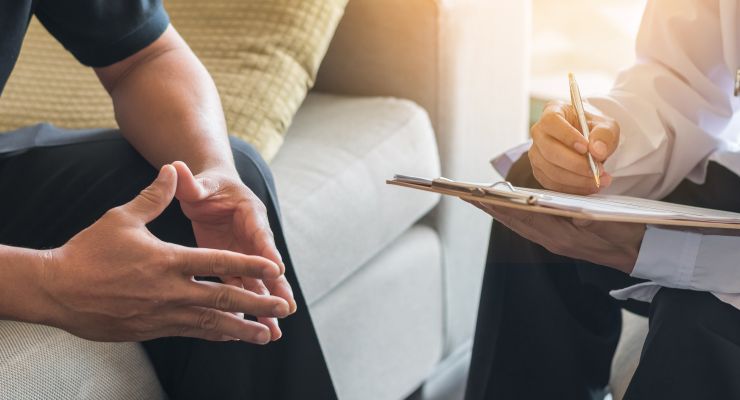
{"x":116,"y":281}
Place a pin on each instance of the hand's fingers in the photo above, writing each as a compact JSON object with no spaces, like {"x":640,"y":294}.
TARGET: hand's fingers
{"x":236,"y":282}
{"x":557,"y":154}
{"x":272,"y":324}
{"x":606,"y":180}
{"x":604,"y":132}
{"x":565,"y":109}
{"x":566,"y":178}
{"x":555,"y":125}
{"x":549,"y":183}
{"x":216,"y":325}
{"x":189,"y":189}
{"x":255,"y":232}
{"x":222,"y":263}
{"x":520,"y":222}
{"x":257,"y":286}
{"x":606,"y":229}
{"x":281,"y":288}
{"x":546,"y":180}
{"x":546,"y":230}
{"x":488,"y":209}
{"x":233,"y":299}
{"x":155,"y":198}
{"x":604,"y":140}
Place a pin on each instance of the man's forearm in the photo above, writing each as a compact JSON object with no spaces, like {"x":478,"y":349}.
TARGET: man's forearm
{"x":21,"y":280}
{"x":168,"y":108}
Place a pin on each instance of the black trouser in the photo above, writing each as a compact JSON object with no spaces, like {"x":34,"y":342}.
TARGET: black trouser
{"x":59,"y":185}
{"x":547,"y":327}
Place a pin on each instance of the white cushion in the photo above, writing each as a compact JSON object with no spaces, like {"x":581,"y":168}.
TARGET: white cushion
{"x":330,"y":174}
{"x":467,"y":63}
{"x":382,"y":329}
{"x":39,"y":362}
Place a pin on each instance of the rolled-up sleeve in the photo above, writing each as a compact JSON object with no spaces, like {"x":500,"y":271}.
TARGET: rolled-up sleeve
{"x":102,"y":32}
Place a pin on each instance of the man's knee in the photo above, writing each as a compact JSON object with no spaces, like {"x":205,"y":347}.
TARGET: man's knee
{"x":252,"y":169}
{"x":692,"y":345}
{"x":684,"y":311}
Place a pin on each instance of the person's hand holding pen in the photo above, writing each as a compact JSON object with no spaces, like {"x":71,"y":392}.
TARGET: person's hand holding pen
{"x":559,"y":153}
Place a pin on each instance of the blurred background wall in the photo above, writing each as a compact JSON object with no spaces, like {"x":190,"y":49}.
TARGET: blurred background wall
{"x":595,"y":43}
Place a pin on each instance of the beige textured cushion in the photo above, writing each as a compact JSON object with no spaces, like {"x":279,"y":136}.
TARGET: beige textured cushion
{"x":263,"y":55}
{"x":40,"y":362}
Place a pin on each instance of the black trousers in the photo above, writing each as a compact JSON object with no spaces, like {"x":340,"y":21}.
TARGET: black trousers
{"x":55,"y":184}
{"x":547,"y":327}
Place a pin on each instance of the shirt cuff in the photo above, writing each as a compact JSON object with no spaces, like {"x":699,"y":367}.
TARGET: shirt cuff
{"x":668,"y":257}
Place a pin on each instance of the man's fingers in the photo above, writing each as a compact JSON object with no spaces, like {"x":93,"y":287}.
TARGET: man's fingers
{"x":236,"y":282}
{"x":281,"y":288}
{"x":210,"y":324}
{"x":557,"y":154}
{"x":153,"y":200}
{"x":257,"y":286}
{"x":604,"y":140}
{"x":254,"y":233}
{"x":223,"y":263}
{"x":560,"y":122}
{"x":561,"y":178}
{"x":573,"y":184}
{"x":555,"y":124}
{"x":233,"y":299}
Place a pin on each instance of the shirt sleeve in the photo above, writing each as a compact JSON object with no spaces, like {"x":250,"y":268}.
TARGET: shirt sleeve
{"x":102,"y":32}
{"x":689,"y":260}
{"x":674,"y":103}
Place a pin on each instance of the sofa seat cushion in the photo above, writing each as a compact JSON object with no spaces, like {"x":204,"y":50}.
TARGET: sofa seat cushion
{"x":382,"y":329}
{"x":330,"y":175}
{"x":40,"y":362}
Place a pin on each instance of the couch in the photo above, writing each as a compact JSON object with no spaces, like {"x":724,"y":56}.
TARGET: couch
{"x":392,"y":277}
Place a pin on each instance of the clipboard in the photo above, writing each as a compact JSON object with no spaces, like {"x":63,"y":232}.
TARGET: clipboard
{"x":540,"y":201}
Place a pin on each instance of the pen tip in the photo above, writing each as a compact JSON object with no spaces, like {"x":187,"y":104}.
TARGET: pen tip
{"x":598,"y":181}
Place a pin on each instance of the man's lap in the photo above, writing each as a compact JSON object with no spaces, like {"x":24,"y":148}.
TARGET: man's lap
{"x":547,"y":317}
{"x":52,"y":192}
{"x":55,"y":186}
{"x":59,"y":185}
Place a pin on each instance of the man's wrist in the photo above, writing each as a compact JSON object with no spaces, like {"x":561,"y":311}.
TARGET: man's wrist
{"x":215,"y":167}
{"x":22,"y":278}
{"x":220,"y":171}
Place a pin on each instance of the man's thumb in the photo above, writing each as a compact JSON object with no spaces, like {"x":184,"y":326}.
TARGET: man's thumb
{"x":153,"y":200}
{"x":188,"y":188}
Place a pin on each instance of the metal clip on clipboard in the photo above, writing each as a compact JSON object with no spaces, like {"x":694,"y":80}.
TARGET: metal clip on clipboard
{"x":608,"y":208}
{"x":476,"y":190}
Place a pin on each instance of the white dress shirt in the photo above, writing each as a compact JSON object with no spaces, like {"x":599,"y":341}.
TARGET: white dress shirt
{"x":674,"y":107}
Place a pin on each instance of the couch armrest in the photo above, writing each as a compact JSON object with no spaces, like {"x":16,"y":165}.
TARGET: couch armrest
{"x":465,"y":62}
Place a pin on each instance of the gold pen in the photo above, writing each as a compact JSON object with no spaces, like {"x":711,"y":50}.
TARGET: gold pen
{"x":575,"y":98}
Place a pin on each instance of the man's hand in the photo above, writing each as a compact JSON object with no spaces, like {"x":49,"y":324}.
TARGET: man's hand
{"x":227,"y":215}
{"x":115,"y":281}
{"x":558,"y":154}
{"x":612,"y":244}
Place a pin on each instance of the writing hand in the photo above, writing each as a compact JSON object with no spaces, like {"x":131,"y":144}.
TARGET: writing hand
{"x":558,"y":153}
